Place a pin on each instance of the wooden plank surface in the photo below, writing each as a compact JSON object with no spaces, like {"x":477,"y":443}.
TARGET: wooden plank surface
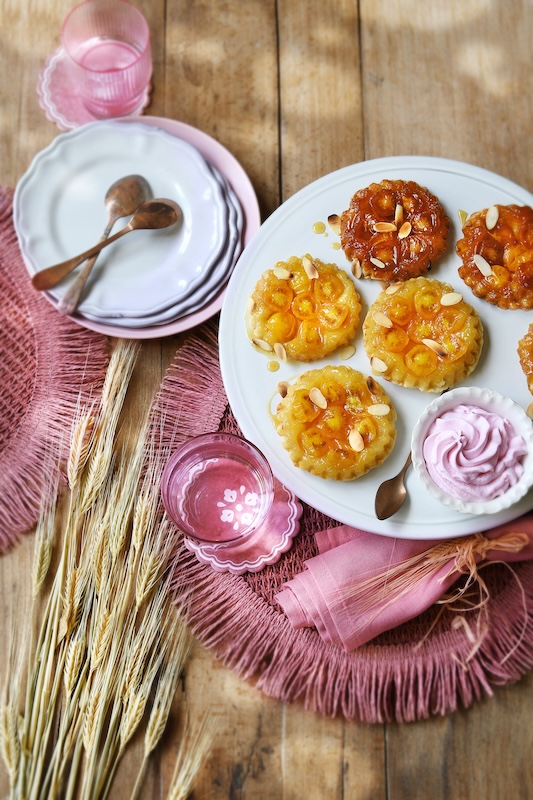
{"x":296,"y":90}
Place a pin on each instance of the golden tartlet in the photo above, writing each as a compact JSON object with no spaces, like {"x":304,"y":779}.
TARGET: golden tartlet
{"x":305,"y":307}
{"x":422,"y":334}
{"x":336,"y":423}
{"x":394,"y":230}
{"x":497,"y":255}
{"x":525,"y":355}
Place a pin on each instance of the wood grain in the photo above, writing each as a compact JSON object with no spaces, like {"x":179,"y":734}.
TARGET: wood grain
{"x":296,"y":90}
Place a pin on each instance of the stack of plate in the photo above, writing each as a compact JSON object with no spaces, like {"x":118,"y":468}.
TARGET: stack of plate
{"x":149,"y":283}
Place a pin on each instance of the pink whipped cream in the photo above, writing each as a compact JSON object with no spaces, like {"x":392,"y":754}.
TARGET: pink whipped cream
{"x":473,"y":454}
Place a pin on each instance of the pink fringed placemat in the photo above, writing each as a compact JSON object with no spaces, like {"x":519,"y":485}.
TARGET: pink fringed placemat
{"x":422,"y":668}
{"x":48,"y":365}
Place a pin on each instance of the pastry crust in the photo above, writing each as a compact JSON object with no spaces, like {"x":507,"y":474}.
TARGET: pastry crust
{"x":506,"y":247}
{"x":417,"y":236}
{"x":422,"y":334}
{"x":309,"y":317}
{"x":336,"y":423}
{"x":525,"y":354}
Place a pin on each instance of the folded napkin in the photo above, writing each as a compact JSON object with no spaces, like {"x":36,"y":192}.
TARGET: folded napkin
{"x":362,"y":584}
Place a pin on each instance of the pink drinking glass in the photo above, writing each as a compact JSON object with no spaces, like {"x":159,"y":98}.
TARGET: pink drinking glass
{"x":108,"y":44}
{"x":217,"y":488}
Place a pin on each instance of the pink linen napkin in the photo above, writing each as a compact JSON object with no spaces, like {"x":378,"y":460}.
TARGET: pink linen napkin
{"x":362,"y":584}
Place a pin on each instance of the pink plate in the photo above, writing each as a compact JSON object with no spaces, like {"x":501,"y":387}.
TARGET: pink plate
{"x":59,"y":96}
{"x":227,"y":164}
{"x":264,"y":546}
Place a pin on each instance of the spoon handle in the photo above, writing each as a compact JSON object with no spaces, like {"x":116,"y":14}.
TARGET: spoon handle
{"x":68,"y":303}
{"x":50,"y":277}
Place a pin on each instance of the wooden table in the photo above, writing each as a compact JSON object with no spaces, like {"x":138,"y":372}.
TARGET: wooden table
{"x":295,"y":90}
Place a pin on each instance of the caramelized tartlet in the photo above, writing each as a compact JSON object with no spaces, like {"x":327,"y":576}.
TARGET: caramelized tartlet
{"x":394,"y":230}
{"x":422,"y":334}
{"x":497,"y":255}
{"x":525,"y":354}
{"x":336,"y":423}
{"x":303,"y":309}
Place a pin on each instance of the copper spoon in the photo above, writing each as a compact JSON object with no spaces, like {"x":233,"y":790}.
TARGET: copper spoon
{"x":391,"y":494}
{"x":152,"y":215}
{"x":122,"y":198}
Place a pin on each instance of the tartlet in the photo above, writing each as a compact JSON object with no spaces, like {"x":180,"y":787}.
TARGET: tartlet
{"x":336,"y":422}
{"x":525,"y":355}
{"x":497,"y":255}
{"x":394,"y":230}
{"x":423,"y":335}
{"x":303,"y":309}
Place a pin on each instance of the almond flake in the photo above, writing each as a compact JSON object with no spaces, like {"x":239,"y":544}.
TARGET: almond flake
{"x":334,"y":222}
{"x":283,"y":388}
{"x":405,"y":230}
{"x":356,"y":268}
{"x":377,"y":365}
{"x":436,"y":347}
{"x":377,"y":263}
{"x":310,"y":269}
{"x":379,"y":409}
{"x":384,"y":227}
{"x":451,"y":299}
{"x":250,"y":305}
{"x":398,"y":214}
{"x":346,"y":352}
{"x":282,"y":273}
{"x":381,"y":319}
{"x":280,"y":351}
{"x":262,"y":345}
{"x":356,"y":441}
{"x":483,"y":265}
{"x":316,"y":397}
{"x":392,"y":288}
{"x":463,"y":216}
{"x":491,"y":217}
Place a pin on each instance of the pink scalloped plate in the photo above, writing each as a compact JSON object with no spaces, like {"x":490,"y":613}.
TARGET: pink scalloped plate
{"x":264,"y":546}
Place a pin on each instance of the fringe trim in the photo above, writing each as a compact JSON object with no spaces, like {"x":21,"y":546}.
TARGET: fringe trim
{"x":70,"y":367}
{"x":389,"y":679}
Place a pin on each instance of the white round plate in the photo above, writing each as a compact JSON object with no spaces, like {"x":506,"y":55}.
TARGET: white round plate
{"x":59,"y":211}
{"x":251,"y":387}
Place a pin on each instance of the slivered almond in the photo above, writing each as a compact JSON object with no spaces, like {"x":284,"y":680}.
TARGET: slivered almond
{"x":262,"y":345}
{"x":346,"y":352}
{"x":283,"y":388}
{"x":463,"y":216}
{"x":405,"y":230}
{"x":356,"y":268}
{"x":377,"y":365}
{"x":451,"y":299}
{"x":377,"y":263}
{"x":379,"y":409}
{"x":483,"y":265}
{"x":316,"y":397}
{"x":491,"y":217}
{"x":282,"y":273}
{"x":381,"y":319}
{"x":310,"y":269}
{"x":392,"y":288}
{"x":436,"y":347}
{"x":398,"y":214}
{"x":280,"y":351}
{"x":334,"y":222}
{"x":371,"y":384}
{"x":384,"y":227}
{"x":250,"y":305}
{"x":356,"y":441}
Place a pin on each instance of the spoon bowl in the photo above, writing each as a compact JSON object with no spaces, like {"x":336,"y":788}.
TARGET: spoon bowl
{"x":391,"y":494}
{"x":122,"y":199}
{"x":151,"y":215}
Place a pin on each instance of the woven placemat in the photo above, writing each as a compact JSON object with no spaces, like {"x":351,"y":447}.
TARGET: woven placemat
{"x":48,"y":365}
{"x":422,"y":668}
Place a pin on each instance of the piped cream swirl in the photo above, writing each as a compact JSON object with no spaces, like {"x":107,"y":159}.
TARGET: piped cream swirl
{"x":473,"y":454}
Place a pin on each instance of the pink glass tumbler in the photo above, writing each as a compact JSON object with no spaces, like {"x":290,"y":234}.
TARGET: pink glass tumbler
{"x":108,"y":44}
{"x":217,"y":488}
